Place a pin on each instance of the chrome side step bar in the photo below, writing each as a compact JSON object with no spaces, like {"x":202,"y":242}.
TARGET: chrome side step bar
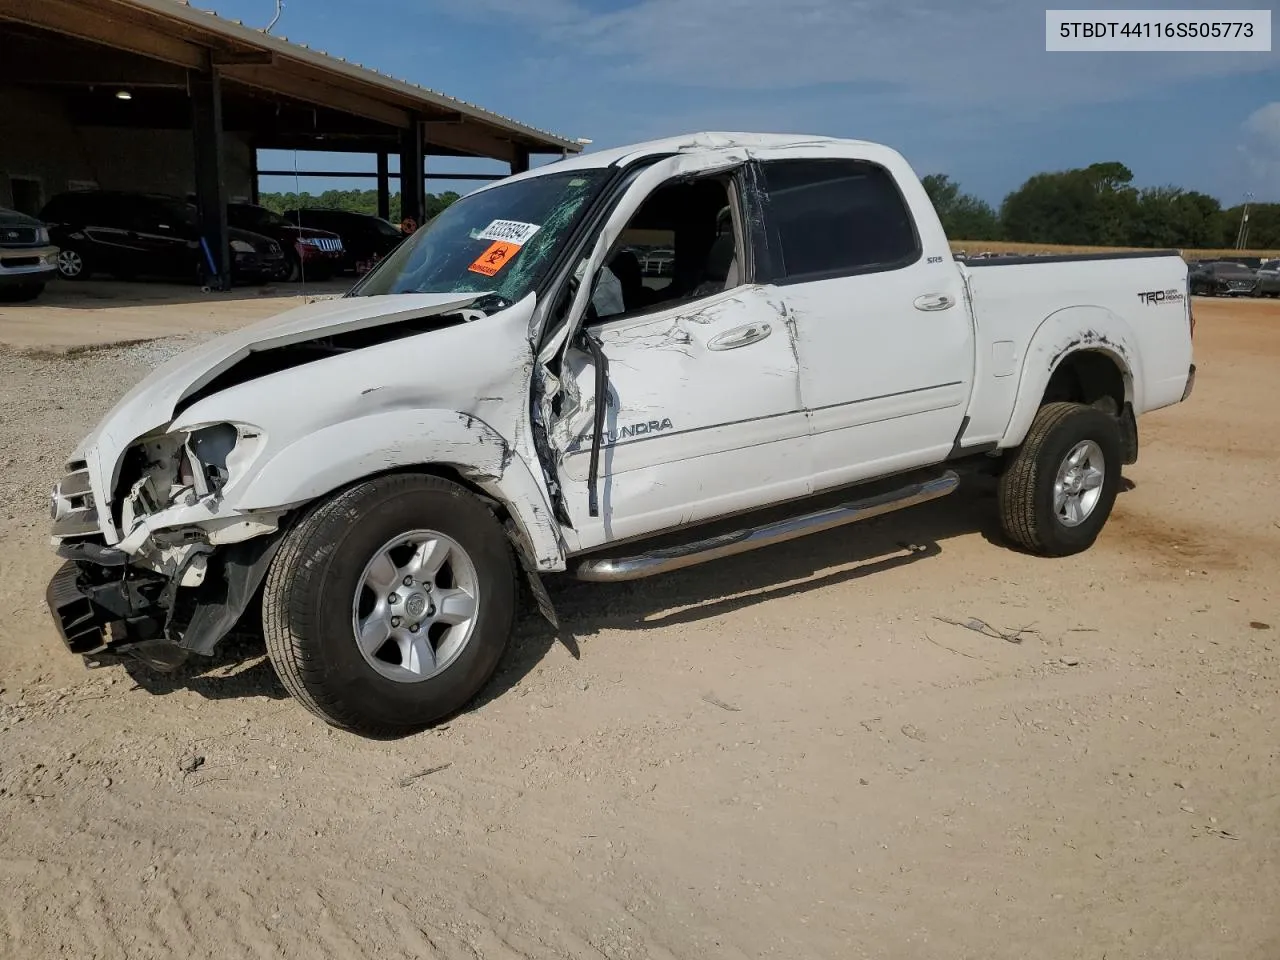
{"x":666,"y":559}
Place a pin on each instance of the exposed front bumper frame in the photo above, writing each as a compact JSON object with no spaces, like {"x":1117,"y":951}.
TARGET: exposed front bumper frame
{"x":103,"y":605}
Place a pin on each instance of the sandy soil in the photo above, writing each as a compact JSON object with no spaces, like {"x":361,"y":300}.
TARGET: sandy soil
{"x":785,"y":754}
{"x":70,"y":317}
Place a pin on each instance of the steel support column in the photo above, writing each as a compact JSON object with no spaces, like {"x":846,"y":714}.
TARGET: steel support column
{"x":211,"y":200}
{"x":254,"y":188}
{"x":413,"y":173}
{"x":384,"y":187}
{"x":521,"y":163}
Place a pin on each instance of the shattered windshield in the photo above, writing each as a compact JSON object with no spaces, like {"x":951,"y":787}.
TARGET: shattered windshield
{"x":498,"y":241}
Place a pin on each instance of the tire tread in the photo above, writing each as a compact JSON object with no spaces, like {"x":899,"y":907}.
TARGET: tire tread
{"x":1019,"y":481}
{"x":287,"y":618}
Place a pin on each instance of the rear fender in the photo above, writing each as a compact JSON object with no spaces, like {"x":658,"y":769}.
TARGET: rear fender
{"x":1059,"y":336}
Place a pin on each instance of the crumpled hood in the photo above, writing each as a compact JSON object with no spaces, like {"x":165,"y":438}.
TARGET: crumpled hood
{"x":151,"y":403}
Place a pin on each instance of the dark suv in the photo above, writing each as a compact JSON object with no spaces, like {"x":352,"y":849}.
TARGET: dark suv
{"x":365,"y":238}
{"x":146,"y":235}
{"x":310,"y":254}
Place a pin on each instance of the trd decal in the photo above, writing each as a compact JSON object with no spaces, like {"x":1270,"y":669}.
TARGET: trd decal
{"x":1153,"y":298}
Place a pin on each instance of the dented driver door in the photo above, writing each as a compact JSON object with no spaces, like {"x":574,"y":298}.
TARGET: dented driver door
{"x":703,"y":414}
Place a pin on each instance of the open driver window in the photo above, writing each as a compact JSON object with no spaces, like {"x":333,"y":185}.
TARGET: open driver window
{"x":681,"y":245}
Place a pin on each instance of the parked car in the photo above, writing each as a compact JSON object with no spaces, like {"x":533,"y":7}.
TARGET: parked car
{"x":1268,"y":280}
{"x":131,"y":235}
{"x":309,"y":253}
{"x":1222,"y":278}
{"x":365,"y":239}
{"x":490,"y":404}
{"x":27,"y":259}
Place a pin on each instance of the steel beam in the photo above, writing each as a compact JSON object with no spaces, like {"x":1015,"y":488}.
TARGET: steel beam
{"x":413,"y":174}
{"x":384,"y":187}
{"x":211,"y":200}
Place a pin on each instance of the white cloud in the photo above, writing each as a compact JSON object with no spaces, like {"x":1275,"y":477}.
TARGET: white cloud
{"x":1260,"y":148}
{"x":975,"y":54}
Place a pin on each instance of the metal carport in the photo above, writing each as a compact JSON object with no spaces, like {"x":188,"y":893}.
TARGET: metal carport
{"x":154,"y":65}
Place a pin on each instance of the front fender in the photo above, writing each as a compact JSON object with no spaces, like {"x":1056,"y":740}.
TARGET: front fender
{"x":1061,"y":334}
{"x":343,"y":453}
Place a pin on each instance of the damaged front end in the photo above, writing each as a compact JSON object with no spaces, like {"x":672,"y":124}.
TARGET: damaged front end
{"x":162,"y":569}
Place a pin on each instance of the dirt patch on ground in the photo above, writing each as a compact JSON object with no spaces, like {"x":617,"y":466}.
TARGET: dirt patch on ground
{"x":72,"y":317}
{"x":788,"y":754}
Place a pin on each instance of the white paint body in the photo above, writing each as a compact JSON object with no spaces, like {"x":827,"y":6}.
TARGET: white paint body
{"x":759,"y":395}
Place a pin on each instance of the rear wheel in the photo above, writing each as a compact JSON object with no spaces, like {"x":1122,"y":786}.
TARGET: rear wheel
{"x":1057,"y":492}
{"x":389,"y":606}
{"x":72,"y":264}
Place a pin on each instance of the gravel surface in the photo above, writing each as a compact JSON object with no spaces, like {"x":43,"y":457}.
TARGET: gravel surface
{"x":810,"y":751}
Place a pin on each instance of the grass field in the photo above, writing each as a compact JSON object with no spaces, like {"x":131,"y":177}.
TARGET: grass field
{"x":1000,"y":246}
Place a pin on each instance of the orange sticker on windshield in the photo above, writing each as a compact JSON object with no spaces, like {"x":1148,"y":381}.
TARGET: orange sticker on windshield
{"x":495,"y":258}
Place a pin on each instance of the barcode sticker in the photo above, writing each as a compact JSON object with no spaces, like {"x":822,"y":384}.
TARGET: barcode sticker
{"x":509,"y":231}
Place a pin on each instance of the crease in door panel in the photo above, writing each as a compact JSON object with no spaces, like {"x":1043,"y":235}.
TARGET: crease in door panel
{"x":793,"y":335}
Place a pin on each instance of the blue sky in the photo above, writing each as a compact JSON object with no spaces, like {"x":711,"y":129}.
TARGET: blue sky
{"x":963,"y":87}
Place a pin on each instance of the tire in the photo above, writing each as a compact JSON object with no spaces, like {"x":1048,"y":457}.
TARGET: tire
{"x":1027,"y":489}
{"x":310,"y":610}
{"x":73,"y":264}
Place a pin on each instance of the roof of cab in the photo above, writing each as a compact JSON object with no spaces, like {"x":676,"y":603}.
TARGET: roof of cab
{"x":689,"y":143}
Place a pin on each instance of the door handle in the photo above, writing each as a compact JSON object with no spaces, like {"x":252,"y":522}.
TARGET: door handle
{"x":740,"y":337}
{"x":934,"y":301}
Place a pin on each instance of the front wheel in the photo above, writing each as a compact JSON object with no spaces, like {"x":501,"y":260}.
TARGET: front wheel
{"x":1058,"y":490}
{"x":291,"y":270}
{"x":389,"y":606}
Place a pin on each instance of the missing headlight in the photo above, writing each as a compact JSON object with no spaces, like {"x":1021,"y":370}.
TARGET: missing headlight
{"x":210,"y":447}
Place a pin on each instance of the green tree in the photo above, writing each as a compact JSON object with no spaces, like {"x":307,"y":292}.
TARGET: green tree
{"x":1083,"y":206}
{"x":1051,"y":208}
{"x":1172,"y":217}
{"x":1115,"y":206}
{"x":963,"y":216}
{"x":351,"y":201}
{"x":438,"y":203}
{"x":1264,"y":226}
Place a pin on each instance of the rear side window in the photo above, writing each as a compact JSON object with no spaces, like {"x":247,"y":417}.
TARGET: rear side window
{"x":837,"y":218}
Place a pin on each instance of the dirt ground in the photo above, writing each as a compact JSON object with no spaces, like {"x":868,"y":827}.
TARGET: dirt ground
{"x":786,"y":754}
{"x":73,"y":316}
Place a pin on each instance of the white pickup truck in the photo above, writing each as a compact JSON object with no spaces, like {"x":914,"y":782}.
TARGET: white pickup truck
{"x":387,"y":469}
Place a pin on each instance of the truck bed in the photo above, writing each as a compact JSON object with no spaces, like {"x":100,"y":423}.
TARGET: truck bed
{"x":1031,"y":311}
